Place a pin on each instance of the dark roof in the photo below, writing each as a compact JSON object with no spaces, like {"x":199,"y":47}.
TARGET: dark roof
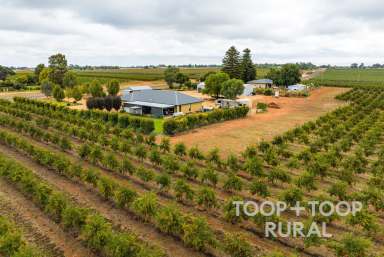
{"x":261,"y":81}
{"x":166,"y":97}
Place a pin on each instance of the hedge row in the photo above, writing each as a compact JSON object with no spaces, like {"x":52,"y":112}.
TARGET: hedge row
{"x":122,"y":120}
{"x":94,"y":229}
{"x":175,"y":125}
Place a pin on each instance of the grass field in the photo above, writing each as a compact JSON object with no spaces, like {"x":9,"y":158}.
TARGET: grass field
{"x":350,"y":77}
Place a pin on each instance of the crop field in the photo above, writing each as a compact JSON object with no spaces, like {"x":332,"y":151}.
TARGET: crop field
{"x":95,"y":187}
{"x":350,"y":77}
{"x":140,"y":74}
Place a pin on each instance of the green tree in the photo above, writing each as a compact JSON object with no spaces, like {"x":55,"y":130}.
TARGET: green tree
{"x":289,"y":74}
{"x":232,"y":88}
{"x":214,"y":84}
{"x":170,"y":75}
{"x":5,"y":72}
{"x":39,"y":69}
{"x":352,"y":246}
{"x":206,"y":197}
{"x":248,"y":70}
{"x":46,"y":87}
{"x":74,"y":93}
{"x":58,"y":93}
{"x":146,"y":205}
{"x":113,"y":87}
{"x":45,"y":74}
{"x":232,"y":63}
{"x":95,"y":89}
{"x":69,"y":79}
{"x":59,"y":66}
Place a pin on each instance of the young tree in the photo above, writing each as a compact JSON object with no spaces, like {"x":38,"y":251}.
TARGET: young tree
{"x":197,"y":233}
{"x":214,"y":83}
{"x":237,"y":246}
{"x":146,"y":206}
{"x":233,"y":183}
{"x":170,"y":75}
{"x":259,"y":188}
{"x":232,"y":88}
{"x":46,"y":87}
{"x":206,"y":197}
{"x":113,"y":87}
{"x":232,"y":63}
{"x":164,"y":182}
{"x":352,"y":246}
{"x":180,"y":149}
{"x":254,"y":166}
{"x":76,"y":94}
{"x":165,"y":145}
{"x":170,"y":220}
{"x":95,"y":89}
{"x":248,"y":70}
{"x":58,"y":93}
{"x":209,"y":176}
{"x":69,"y":79}
{"x":59,"y":66}
{"x":183,"y":190}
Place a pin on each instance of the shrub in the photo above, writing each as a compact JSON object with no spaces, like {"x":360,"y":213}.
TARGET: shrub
{"x":207,"y":198}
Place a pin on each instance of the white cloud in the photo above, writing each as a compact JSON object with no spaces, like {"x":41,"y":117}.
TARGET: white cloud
{"x":134,"y":32}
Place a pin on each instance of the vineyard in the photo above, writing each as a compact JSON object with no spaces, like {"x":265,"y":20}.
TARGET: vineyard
{"x":350,"y":77}
{"x":114,"y":189}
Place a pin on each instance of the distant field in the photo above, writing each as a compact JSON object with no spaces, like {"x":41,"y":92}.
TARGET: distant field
{"x":139,"y":74}
{"x":350,"y":77}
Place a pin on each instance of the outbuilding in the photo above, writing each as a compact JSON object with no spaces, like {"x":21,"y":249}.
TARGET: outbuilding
{"x":297,"y":87}
{"x":159,"y":102}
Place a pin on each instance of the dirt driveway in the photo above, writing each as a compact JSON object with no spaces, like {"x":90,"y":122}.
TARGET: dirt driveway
{"x":234,"y":136}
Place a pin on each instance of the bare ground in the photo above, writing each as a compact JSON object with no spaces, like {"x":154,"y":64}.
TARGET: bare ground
{"x":235,"y":136}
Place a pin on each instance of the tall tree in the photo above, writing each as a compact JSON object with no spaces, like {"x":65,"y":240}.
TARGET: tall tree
{"x":59,"y":67}
{"x":58,"y":93}
{"x":232,"y":63}
{"x":289,"y":74}
{"x":248,"y":70}
{"x":38,"y":69}
{"x":214,"y":83}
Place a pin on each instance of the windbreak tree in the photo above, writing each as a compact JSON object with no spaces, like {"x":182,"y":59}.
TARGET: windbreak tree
{"x":59,"y":66}
{"x":248,"y":70}
{"x":231,"y":63}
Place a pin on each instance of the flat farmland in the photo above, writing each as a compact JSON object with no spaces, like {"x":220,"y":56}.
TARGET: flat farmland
{"x":350,"y":77}
{"x":236,"y":135}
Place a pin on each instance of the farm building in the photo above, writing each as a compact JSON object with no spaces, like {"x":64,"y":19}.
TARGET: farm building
{"x":261,"y":83}
{"x":200,"y":87}
{"x":297,"y":87}
{"x":137,"y":88}
{"x":248,"y":89}
{"x":159,"y":102}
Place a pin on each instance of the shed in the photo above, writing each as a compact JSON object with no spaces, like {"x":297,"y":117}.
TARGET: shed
{"x":248,"y":89}
{"x":137,"y":88}
{"x":297,"y":87}
{"x":200,"y":87}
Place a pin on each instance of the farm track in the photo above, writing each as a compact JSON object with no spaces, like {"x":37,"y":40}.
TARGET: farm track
{"x":39,"y":228}
{"x":88,"y":198}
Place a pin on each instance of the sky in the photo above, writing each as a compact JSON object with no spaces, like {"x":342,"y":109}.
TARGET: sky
{"x":151,"y":32}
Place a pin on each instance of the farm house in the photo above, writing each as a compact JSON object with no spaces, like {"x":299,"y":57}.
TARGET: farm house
{"x":159,"y":102}
{"x":261,"y":83}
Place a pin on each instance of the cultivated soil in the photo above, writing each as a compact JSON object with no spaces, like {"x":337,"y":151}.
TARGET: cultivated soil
{"x":235,"y":136}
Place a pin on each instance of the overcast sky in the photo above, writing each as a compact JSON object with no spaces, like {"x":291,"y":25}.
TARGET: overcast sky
{"x":141,"y":32}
